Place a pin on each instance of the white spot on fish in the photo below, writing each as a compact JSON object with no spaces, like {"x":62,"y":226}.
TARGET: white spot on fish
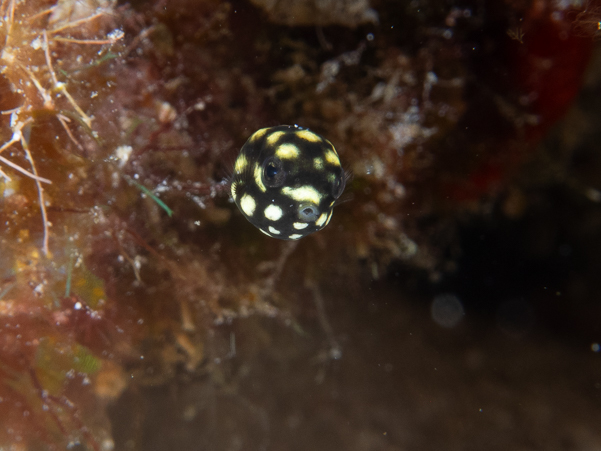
{"x":273,"y":212}
{"x":248,"y":205}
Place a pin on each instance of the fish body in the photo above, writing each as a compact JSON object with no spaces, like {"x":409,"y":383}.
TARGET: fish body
{"x":286,"y":181}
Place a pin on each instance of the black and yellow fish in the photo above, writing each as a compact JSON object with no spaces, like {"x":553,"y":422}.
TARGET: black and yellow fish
{"x":286,"y":180}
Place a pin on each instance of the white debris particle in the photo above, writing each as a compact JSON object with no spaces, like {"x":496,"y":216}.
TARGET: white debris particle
{"x":166,"y":113}
{"x":163,"y":187}
{"x":108,"y":444}
{"x":37,"y":43}
{"x":115,"y":179}
{"x":198,"y":201}
{"x":329,"y":70}
{"x":406,"y":133}
{"x":115,"y":35}
{"x":122,"y":153}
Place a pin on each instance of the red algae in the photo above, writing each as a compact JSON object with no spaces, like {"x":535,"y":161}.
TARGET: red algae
{"x":120,"y":252}
{"x":58,"y":326}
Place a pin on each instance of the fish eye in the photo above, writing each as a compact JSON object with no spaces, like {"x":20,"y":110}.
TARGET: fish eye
{"x":338,"y":187}
{"x":273,"y":172}
{"x":308,"y":212}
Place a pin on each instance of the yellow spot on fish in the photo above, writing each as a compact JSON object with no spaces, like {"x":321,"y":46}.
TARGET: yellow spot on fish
{"x":273,"y":138}
{"x":259,"y":178}
{"x":318,"y":163}
{"x":295,"y":236}
{"x":321,"y":220}
{"x":329,"y":217}
{"x":273,"y":212}
{"x":303,"y":194}
{"x":309,"y":136}
{"x":300,"y":225}
{"x":287,"y":151}
{"x":259,"y":134}
{"x":274,"y":231}
{"x":332,"y":158}
{"x":241,"y":164}
{"x":248,"y":205}
{"x":233,"y":189}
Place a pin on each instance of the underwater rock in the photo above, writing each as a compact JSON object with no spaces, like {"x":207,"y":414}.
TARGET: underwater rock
{"x":348,"y":13}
